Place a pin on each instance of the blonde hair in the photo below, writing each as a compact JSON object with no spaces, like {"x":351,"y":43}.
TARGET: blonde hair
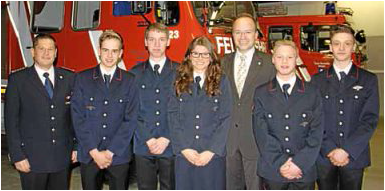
{"x":156,"y":27}
{"x":110,"y":34}
{"x":280,"y":43}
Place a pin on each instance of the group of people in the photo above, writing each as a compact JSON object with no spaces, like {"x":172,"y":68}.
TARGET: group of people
{"x":245,"y":121}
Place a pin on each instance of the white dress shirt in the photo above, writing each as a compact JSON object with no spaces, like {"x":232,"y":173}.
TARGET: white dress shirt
{"x":51,"y":72}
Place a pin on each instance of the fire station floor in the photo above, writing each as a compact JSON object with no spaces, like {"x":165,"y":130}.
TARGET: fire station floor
{"x":373,"y":178}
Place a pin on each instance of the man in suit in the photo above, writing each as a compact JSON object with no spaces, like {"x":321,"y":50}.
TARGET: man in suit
{"x":104,"y":109}
{"x":247,"y":69}
{"x":37,"y":120}
{"x":351,"y":106}
{"x":154,"y":78}
{"x":288,"y":125}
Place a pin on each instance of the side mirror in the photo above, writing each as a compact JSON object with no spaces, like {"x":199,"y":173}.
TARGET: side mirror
{"x":360,"y":37}
{"x":138,"y":7}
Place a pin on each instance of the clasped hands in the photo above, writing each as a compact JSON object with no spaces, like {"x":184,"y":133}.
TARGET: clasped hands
{"x":290,"y":170}
{"x":339,"y":157}
{"x":157,"y":145}
{"x":198,"y":159}
{"x":102,"y":158}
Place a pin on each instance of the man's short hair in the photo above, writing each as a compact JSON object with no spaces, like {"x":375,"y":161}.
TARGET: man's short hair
{"x":247,"y":15}
{"x":110,"y":34}
{"x":290,"y":43}
{"x":41,"y":37}
{"x":341,"y":29}
{"x":156,"y":27}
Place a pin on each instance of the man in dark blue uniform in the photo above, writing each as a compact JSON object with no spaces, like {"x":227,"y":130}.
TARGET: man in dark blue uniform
{"x":350,"y":100}
{"x":288,"y":125}
{"x":37,"y":120}
{"x":104,"y":109}
{"x":152,"y":147}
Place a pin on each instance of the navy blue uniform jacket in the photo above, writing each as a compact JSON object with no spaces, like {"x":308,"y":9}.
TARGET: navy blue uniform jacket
{"x":200,"y":122}
{"x":39,"y":128}
{"x":154,"y":94}
{"x":104,"y":118}
{"x":284,"y":129}
{"x":351,"y":114}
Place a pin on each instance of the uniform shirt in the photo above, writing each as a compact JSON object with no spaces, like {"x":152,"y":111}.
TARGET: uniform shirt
{"x":41,"y":72}
{"x":346,"y":70}
{"x":161,"y":63}
{"x":105,"y":72}
{"x":291,"y":82}
{"x":249,"y":56}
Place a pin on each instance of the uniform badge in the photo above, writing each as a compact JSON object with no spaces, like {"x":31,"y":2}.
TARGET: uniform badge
{"x":304,"y":124}
{"x":357,"y":87}
{"x":90,"y":107}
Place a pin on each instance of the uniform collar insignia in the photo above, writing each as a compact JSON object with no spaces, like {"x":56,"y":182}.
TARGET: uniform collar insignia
{"x":357,"y":87}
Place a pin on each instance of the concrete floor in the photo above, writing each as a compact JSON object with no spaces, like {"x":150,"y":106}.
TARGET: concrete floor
{"x":373,"y":179}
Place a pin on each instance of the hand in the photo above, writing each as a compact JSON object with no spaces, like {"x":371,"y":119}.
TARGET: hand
{"x":23,"y":166}
{"x":338,"y":157}
{"x":74,"y":156}
{"x":290,"y":170}
{"x":204,"y":158}
{"x":191,"y":155}
{"x":151,"y":144}
{"x":100,"y":158}
{"x":108,"y":154}
{"x":161,"y":145}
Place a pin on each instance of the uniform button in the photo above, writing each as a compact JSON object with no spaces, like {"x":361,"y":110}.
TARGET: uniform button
{"x":287,"y":116}
{"x":197,"y":116}
{"x":91,"y":99}
{"x":74,"y":139}
{"x":143,"y":86}
{"x":52,"y":106}
{"x":196,"y":136}
{"x":341,"y":134}
{"x":287,"y":139}
{"x":239,"y":104}
{"x":104,"y":138}
{"x":269,"y":115}
{"x":287,"y":127}
{"x":104,"y":126}
{"x":197,"y":127}
{"x":157,"y":123}
{"x":326,"y":96}
{"x":340,"y":123}
{"x":355,"y":96}
{"x":341,"y":101}
{"x":22,"y":144}
{"x":287,"y":150}
{"x":180,"y":99}
{"x":53,"y":141}
{"x":104,"y":114}
{"x":53,"y":129}
{"x":157,"y":90}
{"x":157,"y":112}
{"x":341,"y":112}
{"x":52,"y":118}
{"x":157,"y":101}
{"x":120,"y":101}
{"x":304,"y":115}
{"x":105,"y":102}
{"x":216,"y":100}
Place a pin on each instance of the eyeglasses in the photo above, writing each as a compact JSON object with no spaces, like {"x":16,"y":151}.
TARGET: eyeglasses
{"x":203,"y":55}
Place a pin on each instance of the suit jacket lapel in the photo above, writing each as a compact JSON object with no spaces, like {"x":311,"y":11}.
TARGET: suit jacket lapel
{"x":296,"y":93}
{"x":98,"y":79}
{"x":332,"y":78}
{"x":276,"y":92}
{"x":116,"y":81}
{"x":35,"y":80}
{"x":167,"y":69}
{"x":230,"y":73}
{"x":252,"y":74}
{"x":351,"y":78}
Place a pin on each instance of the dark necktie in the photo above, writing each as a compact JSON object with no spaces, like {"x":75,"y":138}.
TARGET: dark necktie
{"x":48,"y":85}
{"x":285,"y":87}
{"x":107,"y":80}
{"x":156,"y":69}
{"x":343,"y":77}
{"x":197,"y":80}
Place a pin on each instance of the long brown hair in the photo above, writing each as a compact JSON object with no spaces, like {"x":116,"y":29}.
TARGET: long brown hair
{"x":213,"y":72}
